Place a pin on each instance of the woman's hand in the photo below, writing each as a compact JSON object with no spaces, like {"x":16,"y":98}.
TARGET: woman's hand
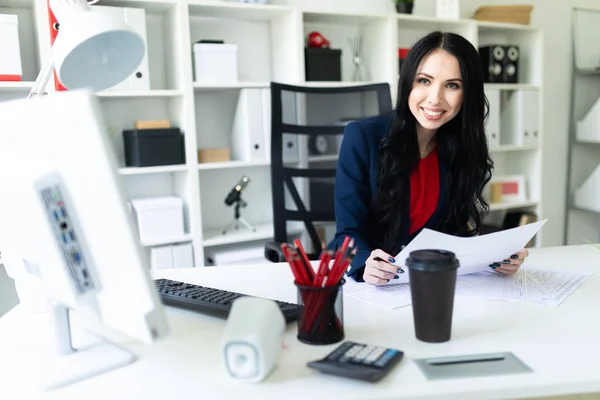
{"x":378,"y":268}
{"x":511,"y":264}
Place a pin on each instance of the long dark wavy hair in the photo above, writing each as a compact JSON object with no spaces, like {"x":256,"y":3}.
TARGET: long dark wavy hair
{"x":461,"y":144}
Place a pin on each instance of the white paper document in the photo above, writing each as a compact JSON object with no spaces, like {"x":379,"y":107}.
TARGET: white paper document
{"x":475,"y":254}
{"x":551,"y":288}
{"x":532,"y":285}
{"x":388,"y":297}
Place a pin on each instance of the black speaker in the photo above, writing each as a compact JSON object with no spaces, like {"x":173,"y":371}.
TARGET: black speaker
{"x":511,"y":64}
{"x":500,"y":63}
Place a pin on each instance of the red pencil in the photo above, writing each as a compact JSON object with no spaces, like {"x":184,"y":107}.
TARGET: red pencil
{"x":304,"y":259}
{"x":294,"y":261}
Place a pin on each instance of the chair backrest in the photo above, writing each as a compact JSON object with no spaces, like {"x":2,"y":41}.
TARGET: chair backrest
{"x":307,"y":125}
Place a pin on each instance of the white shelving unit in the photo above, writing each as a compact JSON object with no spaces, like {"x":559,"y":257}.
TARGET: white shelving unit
{"x":270,"y":41}
{"x":583,"y":194}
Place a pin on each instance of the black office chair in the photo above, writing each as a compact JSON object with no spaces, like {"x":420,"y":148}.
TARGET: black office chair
{"x":306,"y":123}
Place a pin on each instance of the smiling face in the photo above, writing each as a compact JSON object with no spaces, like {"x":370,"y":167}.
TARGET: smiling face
{"x":437,"y":92}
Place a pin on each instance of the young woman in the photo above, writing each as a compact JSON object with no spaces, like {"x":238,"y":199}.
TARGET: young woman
{"x":425,"y":166}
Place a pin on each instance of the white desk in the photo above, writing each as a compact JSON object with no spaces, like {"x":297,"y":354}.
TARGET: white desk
{"x":561,"y":344}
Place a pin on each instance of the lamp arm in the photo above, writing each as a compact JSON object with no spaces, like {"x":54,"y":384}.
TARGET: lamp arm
{"x":41,"y":82}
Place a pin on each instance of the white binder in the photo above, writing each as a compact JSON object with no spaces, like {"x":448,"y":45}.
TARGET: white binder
{"x":492,"y":127}
{"x":519,"y":119}
{"x":290,"y":110}
{"x":136,"y":19}
{"x":249,"y":139}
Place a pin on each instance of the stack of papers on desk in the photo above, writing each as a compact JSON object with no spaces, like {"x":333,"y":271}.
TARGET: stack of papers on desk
{"x":532,"y":285}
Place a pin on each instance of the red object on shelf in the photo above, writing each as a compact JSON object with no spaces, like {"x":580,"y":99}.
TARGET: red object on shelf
{"x":53,"y":33}
{"x":315,"y":39}
{"x":402,"y":53}
{"x":10,"y":78}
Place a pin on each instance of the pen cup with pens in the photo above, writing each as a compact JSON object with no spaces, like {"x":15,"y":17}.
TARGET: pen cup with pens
{"x":322,"y":321}
{"x":320,"y":292}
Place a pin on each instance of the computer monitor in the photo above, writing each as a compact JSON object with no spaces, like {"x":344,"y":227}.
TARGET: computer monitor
{"x":63,"y":214}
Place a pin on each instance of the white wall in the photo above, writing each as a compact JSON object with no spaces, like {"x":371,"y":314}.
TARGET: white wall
{"x":555,"y":18}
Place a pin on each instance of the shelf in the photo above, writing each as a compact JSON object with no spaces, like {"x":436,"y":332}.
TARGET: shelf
{"x":323,"y":158}
{"x":585,"y":210}
{"x":15,"y":86}
{"x":179,"y":239}
{"x":491,"y":26}
{"x":243,"y":234}
{"x":510,"y":206}
{"x":141,"y":94}
{"x":152,"y":170}
{"x":245,"y":11}
{"x":587,"y":142}
{"x":511,"y":86}
{"x":230,"y":86}
{"x":153,"y":6}
{"x":587,"y":72}
{"x":418,"y":19}
{"x":232,"y":164}
{"x":316,"y":17}
{"x":510,"y":147}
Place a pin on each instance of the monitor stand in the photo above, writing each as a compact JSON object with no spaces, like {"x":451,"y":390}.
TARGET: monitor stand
{"x":70,"y":365}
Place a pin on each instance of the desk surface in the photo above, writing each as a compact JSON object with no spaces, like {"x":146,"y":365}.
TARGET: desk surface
{"x":560,"y":344}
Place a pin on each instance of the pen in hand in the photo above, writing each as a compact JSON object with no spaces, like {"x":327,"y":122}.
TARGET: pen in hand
{"x":400,"y":270}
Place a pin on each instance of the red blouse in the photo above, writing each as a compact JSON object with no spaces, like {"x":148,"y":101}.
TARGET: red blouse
{"x":424,"y":191}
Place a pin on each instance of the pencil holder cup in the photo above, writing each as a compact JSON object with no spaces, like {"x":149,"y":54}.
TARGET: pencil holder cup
{"x":322,"y":319}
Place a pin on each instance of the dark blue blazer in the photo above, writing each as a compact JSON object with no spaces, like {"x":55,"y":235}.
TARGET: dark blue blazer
{"x":356,"y":186}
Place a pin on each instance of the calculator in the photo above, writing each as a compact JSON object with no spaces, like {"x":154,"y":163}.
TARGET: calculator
{"x":359,"y":361}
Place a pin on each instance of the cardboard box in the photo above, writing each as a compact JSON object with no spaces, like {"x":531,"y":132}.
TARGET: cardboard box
{"x":152,"y":124}
{"x":213,"y":155}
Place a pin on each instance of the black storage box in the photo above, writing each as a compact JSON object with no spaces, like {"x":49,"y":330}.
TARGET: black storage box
{"x":322,"y":64}
{"x":153,"y":147}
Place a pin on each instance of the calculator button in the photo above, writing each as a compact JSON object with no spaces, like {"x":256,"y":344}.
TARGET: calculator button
{"x":376,"y":353}
{"x":364,"y":352}
{"x":391,"y":353}
{"x":336,"y":354}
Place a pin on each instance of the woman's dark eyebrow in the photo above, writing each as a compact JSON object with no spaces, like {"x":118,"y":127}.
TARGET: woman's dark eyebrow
{"x":431,"y":77}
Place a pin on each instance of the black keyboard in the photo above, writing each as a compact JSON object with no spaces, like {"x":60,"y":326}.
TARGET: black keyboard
{"x":210,"y":301}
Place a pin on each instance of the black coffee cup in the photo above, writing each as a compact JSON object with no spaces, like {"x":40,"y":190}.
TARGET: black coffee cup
{"x":432,"y":276}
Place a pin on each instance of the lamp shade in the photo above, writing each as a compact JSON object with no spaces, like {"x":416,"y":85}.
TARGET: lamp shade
{"x":95,"y":50}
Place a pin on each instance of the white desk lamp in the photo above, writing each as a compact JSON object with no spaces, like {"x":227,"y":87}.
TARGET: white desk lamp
{"x":92,"y":49}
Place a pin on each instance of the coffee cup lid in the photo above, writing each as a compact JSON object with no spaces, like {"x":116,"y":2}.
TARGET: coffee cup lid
{"x":432,"y":260}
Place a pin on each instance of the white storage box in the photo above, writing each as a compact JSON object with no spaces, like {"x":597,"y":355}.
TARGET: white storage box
{"x":175,"y":256}
{"x":183,"y":256}
{"x":10,"y":53}
{"x":161,"y":257}
{"x":235,"y":255}
{"x":215,"y":63}
{"x":159,"y":219}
